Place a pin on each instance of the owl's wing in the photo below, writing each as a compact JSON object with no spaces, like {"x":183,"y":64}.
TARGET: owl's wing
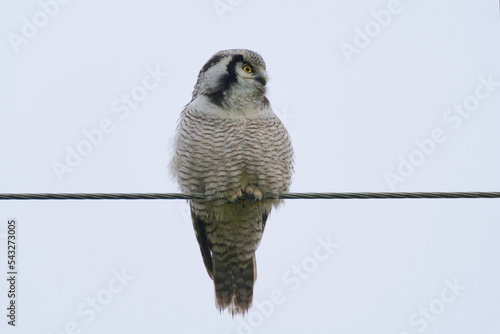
{"x":264,"y":220}
{"x":205,"y":247}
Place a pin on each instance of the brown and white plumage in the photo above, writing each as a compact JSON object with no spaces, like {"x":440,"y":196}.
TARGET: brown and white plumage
{"x":228,"y":143}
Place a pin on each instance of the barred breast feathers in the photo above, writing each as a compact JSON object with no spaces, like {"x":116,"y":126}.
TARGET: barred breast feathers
{"x":258,"y":146}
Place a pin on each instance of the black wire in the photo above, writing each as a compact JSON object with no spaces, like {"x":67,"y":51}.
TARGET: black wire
{"x":152,"y":196}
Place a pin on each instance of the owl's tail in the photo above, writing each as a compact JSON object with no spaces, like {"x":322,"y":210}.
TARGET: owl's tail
{"x":233,"y":280}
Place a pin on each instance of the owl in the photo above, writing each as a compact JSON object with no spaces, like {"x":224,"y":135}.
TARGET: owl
{"x":230,"y":146}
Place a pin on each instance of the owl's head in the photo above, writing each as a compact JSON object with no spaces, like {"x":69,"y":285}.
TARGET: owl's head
{"x":230,"y":73}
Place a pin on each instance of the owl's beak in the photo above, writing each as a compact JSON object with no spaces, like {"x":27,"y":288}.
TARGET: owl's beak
{"x":262,"y":79}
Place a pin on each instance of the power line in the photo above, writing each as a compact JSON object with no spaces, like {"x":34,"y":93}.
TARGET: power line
{"x":156,"y":196}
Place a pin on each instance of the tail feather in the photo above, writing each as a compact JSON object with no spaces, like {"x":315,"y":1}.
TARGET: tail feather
{"x":233,"y":281}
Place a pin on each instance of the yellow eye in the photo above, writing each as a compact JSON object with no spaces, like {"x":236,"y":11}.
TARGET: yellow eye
{"x":247,"y":68}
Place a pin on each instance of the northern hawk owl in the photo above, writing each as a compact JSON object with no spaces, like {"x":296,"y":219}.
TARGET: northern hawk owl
{"x":229,"y":143}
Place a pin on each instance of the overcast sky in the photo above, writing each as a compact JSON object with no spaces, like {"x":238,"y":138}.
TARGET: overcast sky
{"x":379,"y":95}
